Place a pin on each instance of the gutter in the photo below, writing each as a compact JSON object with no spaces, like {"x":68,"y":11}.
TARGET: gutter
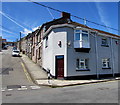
{"x":112,"y":56}
{"x":96,"y":55}
{"x":56,"y":26}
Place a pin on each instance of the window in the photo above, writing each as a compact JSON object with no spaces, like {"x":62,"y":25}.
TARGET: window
{"x":77,"y":64}
{"x":77,"y":34}
{"x":81,"y":39}
{"x":85,"y":38}
{"x":105,"y":63}
{"x":36,"y":39}
{"x":39,"y":53}
{"x":82,"y":64}
{"x":33,"y":51}
{"x":46,"y":42}
{"x":104,"y":42}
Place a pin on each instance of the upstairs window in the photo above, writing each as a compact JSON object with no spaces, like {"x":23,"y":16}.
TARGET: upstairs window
{"x":81,"y":39}
{"x":77,"y":34}
{"x":85,"y":37}
{"x":104,"y":42}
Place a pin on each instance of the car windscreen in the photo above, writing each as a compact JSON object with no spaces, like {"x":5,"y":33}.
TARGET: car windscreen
{"x":14,"y":48}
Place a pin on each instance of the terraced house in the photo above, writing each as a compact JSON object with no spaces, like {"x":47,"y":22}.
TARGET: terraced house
{"x":73,"y":50}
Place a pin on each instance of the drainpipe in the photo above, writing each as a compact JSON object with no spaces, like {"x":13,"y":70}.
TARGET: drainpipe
{"x":96,"y":48}
{"x":112,"y":56}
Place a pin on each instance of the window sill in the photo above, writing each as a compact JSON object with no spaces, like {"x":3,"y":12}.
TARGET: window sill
{"x":82,"y":69}
{"x":105,"y":45}
{"x":107,"y":68}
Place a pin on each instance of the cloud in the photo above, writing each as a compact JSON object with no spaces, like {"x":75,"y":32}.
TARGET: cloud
{"x":35,"y":28}
{"x":26,"y":31}
{"x":102,"y":15}
{"x":11,"y":19}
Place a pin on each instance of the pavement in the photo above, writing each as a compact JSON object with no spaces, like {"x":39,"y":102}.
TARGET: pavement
{"x":39,"y":76}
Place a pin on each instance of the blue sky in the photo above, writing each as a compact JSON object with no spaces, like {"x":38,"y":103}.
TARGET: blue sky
{"x":25,"y":17}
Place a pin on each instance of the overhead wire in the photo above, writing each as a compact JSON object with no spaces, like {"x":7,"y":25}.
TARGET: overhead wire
{"x":3,"y":27}
{"x":74,"y":16}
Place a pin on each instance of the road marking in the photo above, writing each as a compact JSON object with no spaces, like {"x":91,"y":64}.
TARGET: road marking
{"x":22,"y":89}
{"x":9,"y":89}
{"x":3,"y":90}
{"x":26,"y":73}
{"x":35,"y":87}
{"x":23,"y":86}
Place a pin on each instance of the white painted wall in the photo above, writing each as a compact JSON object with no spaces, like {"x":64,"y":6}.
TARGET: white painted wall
{"x":53,"y":49}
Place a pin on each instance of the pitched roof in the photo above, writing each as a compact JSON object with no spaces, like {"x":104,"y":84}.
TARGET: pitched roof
{"x":100,"y":31}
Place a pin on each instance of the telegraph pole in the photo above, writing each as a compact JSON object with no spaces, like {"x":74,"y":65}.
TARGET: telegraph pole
{"x":20,"y":43}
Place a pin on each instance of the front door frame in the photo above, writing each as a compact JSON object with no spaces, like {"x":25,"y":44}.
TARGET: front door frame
{"x":56,"y":71}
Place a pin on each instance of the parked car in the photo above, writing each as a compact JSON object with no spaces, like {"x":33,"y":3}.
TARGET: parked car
{"x":5,"y":47}
{"x":14,"y":48}
{"x":16,"y":53}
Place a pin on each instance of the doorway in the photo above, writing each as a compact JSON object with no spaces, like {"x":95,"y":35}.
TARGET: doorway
{"x":60,"y":66}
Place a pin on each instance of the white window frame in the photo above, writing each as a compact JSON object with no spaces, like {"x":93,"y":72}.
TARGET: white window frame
{"x":84,"y":61}
{"x":81,"y":41}
{"x":107,"y":62}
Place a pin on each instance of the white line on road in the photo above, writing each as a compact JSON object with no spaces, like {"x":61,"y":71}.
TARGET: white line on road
{"x":3,"y":90}
{"x":9,"y":89}
{"x":22,"y":89}
{"x":35,"y":87}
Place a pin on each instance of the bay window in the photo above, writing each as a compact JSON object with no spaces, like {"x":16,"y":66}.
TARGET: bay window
{"x":81,"y":39}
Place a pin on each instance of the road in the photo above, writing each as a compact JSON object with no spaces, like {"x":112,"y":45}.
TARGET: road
{"x":16,"y":88}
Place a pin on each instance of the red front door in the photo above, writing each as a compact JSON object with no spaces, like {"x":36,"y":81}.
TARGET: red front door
{"x":60,"y":66}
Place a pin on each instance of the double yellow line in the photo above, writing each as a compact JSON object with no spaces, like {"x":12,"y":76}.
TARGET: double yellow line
{"x":26,"y":73}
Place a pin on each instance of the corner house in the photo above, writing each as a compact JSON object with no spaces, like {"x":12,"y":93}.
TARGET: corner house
{"x":73,"y":50}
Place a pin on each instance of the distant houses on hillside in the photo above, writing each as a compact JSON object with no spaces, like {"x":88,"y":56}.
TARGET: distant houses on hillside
{"x":4,"y":42}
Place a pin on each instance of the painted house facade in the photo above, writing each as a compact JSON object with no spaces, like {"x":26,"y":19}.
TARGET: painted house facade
{"x":72,"y":50}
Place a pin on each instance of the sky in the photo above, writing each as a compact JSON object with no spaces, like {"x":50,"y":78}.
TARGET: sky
{"x":25,"y":17}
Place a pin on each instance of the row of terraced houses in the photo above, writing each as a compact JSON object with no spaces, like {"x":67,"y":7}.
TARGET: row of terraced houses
{"x":73,"y":50}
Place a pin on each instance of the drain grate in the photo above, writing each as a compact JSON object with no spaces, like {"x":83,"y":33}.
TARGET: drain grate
{"x":13,"y":86}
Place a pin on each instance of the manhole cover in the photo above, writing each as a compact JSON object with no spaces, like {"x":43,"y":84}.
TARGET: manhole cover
{"x":13,"y":86}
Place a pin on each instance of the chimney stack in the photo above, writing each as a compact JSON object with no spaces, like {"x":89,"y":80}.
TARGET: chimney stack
{"x":66,"y":15}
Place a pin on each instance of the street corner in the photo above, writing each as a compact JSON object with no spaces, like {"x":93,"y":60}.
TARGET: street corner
{"x":64,"y":83}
